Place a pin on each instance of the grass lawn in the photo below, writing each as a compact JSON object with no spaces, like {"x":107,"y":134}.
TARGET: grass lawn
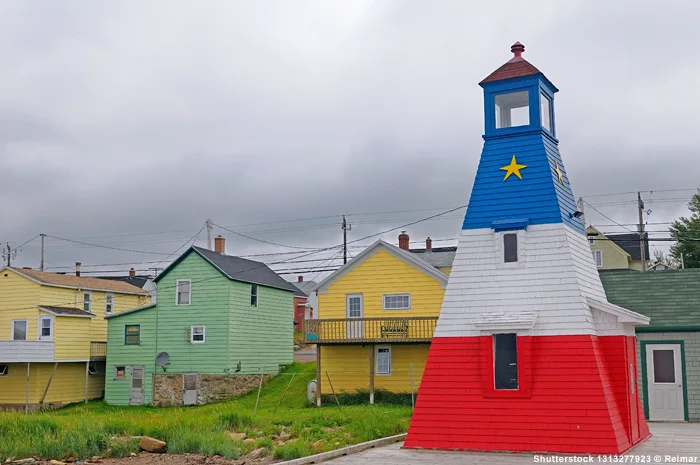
{"x":83,"y":431}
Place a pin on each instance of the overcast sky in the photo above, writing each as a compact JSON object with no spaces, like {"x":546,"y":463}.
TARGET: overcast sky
{"x":129,"y":123}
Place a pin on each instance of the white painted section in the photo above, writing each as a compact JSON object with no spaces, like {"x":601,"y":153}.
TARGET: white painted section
{"x":555,"y":276}
{"x":26,"y":351}
{"x":665,"y":393}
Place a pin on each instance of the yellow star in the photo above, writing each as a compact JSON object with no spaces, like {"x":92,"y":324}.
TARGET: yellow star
{"x":560,"y":175}
{"x":513,"y":168}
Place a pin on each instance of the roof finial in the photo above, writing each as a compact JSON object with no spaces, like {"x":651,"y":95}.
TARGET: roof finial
{"x":517,"y":49}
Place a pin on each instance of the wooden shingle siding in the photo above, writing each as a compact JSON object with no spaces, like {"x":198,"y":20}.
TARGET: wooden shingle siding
{"x":119,"y":354}
{"x":545,"y":280}
{"x":260,"y":337}
{"x":209,"y":307}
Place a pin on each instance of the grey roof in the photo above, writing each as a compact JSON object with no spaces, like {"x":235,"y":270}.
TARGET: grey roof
{"x":240,"y":269}
{"x":630,"y":244}
{"x":67,"y":311}
{"x":439,"y":257}
{"x":305,"y":287}
{"x":138,"y":281}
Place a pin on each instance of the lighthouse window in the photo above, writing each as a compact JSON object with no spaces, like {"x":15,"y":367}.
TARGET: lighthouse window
{"x":546,"y":112}
{"x":512,"y":110}
{"x":510,"y":248}
{"x":505,"y":367}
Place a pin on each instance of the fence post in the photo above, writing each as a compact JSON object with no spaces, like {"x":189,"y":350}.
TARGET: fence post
{"x":285,"y":391}
{"x":255,"y":411}
{"x":333,"y":390}
{"x":371,"y":373}
{"x":410,"y":367}
{"x":318,"y":375}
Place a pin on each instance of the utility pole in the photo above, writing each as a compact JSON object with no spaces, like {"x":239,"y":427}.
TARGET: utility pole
{"x":9,"y":254}
{"x":41,"y":267}
{"x":580,"y":208}
{"x":210,"y":227}
{"x":346,"y":228}
{"x":640,"y":208}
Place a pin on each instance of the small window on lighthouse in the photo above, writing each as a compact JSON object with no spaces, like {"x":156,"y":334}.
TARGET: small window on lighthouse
{"x":545,"y":112}
{"x":510,"y":248}
{"x":512,"y":110}
{"x":505,"y":366}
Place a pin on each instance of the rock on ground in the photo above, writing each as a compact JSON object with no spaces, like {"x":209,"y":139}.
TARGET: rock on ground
{"x":153,"y":445}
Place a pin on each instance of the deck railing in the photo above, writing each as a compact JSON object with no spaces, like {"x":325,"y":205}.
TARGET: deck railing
{"x":370,"y":330}
{"x":98,"y":350}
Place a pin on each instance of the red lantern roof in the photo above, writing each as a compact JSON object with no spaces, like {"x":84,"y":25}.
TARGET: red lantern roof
{"x":515,"y":67}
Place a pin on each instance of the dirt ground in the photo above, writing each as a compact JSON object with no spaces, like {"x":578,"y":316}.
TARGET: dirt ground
{"x":307,"y":354}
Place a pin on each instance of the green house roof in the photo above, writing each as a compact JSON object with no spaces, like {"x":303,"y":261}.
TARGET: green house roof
{"x":671,"y":298}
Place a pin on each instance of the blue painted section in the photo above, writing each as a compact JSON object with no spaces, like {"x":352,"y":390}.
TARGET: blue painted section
{"x":539,"y":197}
{"x":510,"y":225}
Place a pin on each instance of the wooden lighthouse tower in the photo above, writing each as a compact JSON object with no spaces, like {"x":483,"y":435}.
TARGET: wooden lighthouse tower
{"x":528,"y":354}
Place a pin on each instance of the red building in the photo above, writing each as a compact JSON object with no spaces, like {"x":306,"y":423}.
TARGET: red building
{"x":528,"y":354}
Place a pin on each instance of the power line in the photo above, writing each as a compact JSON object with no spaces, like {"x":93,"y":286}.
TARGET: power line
{"x":107,"y":247}
{"x":607,"y":217}
{"x":262,"y":240}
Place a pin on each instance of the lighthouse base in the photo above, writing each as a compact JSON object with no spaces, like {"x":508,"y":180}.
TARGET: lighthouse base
{"x":576,"y":394}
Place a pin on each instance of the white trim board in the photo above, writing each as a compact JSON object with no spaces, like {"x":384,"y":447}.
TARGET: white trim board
{"x":403,"y":255}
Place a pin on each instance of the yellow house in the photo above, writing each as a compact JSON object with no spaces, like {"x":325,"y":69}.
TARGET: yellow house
{"x":53,"y":335}
{"x":377,"y":316}
{"x":616,"y":251}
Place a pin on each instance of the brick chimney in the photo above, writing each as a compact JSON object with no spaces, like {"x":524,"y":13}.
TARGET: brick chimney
{"x":403,"y":240}
{"x":428,"y":244}
{"x":132,"y":273}
{"x":300,"y":279}
{"x":220,"y":244}
{"x":77,"y":268}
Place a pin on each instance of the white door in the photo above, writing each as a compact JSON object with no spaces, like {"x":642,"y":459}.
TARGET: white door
{"x":189,"y":388}
{"x":354,"y":308}
{"x":665,"y":382}
{"x":136,"y":395}
{"x":45,"y":328}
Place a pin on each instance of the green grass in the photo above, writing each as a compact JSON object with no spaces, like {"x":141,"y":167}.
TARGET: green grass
{"x":83,"y":431}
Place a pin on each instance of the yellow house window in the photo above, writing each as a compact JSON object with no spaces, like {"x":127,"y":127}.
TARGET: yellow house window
{"x":383,"y":363}
{"x":109,"y":303}
{"x":87,"y":301}
{"x":396,"y":302}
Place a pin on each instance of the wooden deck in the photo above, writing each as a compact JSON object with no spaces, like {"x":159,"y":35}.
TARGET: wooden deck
{"x":370,"y":330}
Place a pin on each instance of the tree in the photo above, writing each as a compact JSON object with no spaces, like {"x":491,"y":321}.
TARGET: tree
{"x":661,"y":257}
{"x":686,"y":232}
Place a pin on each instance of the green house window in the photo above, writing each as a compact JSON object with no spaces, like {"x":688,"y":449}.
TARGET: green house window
{"x":253,"y":295}
{"x":132,"y":335}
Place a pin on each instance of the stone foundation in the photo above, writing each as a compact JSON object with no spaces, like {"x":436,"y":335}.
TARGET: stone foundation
{"x":168,"y":391}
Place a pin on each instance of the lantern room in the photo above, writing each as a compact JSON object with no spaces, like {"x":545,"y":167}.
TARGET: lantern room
{"x":518,"y":98}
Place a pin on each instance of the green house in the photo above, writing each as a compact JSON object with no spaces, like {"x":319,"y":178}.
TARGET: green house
{"x":668,"y":350}
{"x":220,"y":322}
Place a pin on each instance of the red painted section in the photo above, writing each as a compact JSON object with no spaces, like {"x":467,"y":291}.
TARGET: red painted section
{"x":574,"y":396}
{"x":299,"y":312}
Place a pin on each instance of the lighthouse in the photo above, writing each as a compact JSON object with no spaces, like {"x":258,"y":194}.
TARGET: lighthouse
{"x":528,"y":354}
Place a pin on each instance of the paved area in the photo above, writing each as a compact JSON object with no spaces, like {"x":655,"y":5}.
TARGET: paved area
{"x":670,"y":443}
{"x":307,"y":354}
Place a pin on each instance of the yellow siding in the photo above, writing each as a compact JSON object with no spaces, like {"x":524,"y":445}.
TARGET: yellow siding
{"x":67,"y":385}
{"x":348,"y":367}
{"x":446,"y":270}
{"x":637,"y":264}
{"x":614,"y":258}
{"x":72,"y":338}
{"x":382,"y":273}
{"x":19,"y":298}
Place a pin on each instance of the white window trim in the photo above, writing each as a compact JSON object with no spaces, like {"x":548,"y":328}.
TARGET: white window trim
{"x":204,"y":334}
{"x":39,"y":328}
{"x":107,"y":295}
{"x":90,"y":301}
{"x":596,"y":254}
{"x":376,"y":361}
{"x":522,"y":256}
{"x":114,"y":373}
{"x":362,"y":305}
{"x":177,"y":291}
{"x":12,"y":330}
{"x":6,"y":370}
{"x":384,"y":296}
